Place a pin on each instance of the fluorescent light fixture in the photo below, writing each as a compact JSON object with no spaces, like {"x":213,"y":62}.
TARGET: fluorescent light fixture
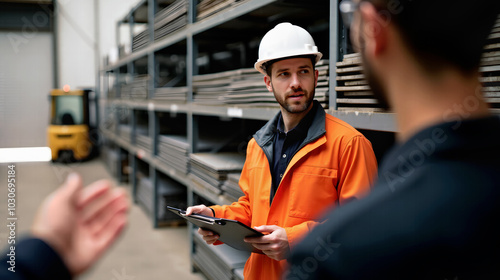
{"x":31,"y":154}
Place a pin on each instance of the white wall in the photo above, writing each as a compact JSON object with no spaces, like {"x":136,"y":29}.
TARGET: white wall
{"x":110,"y":11}
{"x":79,"y":42}
{"x":76,"y":43}
{"x":26,"y":77}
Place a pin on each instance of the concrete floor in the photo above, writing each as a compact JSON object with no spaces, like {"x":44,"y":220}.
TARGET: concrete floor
{"x":142,"y":251}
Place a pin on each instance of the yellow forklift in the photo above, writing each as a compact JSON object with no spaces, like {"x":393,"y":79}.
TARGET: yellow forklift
{"x":72,"y":133}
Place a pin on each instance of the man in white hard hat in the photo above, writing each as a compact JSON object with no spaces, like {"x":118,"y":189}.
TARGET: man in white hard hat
{"x":301,"y":163}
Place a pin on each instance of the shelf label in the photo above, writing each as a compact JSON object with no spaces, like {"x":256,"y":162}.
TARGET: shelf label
{"x":174,"y":108}
{"x":151,"y":106}
{"x":235,"y":112}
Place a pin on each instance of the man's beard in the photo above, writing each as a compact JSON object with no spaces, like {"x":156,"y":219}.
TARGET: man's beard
{"x":375,"y":85}
{"x":289,"y":107}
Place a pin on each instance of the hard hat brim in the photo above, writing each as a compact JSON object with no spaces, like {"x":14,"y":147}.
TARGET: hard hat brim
{"x":258,"y":64}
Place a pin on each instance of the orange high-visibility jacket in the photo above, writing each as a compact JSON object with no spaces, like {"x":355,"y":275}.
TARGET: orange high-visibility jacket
{"x":335,"y":166}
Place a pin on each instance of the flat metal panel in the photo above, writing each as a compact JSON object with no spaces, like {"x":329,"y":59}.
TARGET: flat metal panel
{"x":26,"y":75}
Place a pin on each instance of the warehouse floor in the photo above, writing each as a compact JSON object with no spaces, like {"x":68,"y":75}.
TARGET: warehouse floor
{"x":142,"y":252}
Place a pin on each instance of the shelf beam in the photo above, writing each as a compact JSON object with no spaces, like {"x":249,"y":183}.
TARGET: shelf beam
{"x":364,"y":120}
{"x":190,"y":30}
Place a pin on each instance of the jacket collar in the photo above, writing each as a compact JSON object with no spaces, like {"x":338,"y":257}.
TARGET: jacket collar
{"x":264,"y":136}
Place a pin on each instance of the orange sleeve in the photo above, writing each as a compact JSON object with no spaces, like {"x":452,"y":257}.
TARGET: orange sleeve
{"x":357,"y":170}
{"x":357,"y":173}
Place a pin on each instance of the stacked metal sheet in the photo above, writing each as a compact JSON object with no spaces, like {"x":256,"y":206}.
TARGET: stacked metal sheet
{"x":140,"y":40}
{"x":245,"y":87}
{"x":171,"y":19}
{"x":209,"y":170}
{"x":173,"y":151}
{"x":209,"y":88}
{"x":170,"y":193}
{"x":206,"y":8}
{"x":490,"y":68}
{"x":125,"y":132}
{"x":217,"y":262}
{"x":353,"y":91}
{"x":112,"y":159}
{"x":171,"y":94}
{"x":231,"y":188}
{"x":142,"y":139}
{"x":322,"y":89}
{"x":238,"y":274}
{"x":137,"y":89}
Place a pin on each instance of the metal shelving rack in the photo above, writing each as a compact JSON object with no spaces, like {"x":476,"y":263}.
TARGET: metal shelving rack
{"x":262,"y":15}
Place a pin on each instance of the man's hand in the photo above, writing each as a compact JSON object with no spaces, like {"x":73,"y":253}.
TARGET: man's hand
{"x":81,"y":223}
{"x":274,"y":245}
{"x":209,"y":236}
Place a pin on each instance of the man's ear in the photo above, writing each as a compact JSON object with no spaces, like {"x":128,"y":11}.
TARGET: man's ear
{"x":267,"y":80}
{"x":316,"y":75}
{"x":374,"y":29}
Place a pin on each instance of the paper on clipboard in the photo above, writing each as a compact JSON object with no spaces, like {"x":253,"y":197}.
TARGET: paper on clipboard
{"x":230,"y":232}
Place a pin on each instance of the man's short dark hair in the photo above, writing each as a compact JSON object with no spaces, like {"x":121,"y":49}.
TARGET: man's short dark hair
{"x":268,"y":65}
{"x":442,"y":33}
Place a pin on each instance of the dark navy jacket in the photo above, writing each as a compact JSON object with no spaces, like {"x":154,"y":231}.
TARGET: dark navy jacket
{"x":34,"y":260}
{"x":433,"y":214}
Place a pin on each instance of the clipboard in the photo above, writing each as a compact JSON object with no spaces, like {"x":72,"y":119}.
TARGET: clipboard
{"x":231,"y":232}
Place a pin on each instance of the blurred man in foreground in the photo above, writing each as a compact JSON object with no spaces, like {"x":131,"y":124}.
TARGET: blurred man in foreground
{"x":433,"y":211}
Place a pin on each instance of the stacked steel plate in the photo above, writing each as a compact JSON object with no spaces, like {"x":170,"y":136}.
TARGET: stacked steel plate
{"x":125,"y":132}
{"x":171,"y":94}
{"x":490,"y":69}
{"x":206,"y":8}
{"x":173,"y":151}
{"x":231,"y":188}
{"x":218,"y":262}
{"x":140,"y":40}
{"x":137,"y":89}
{"x":353,"y":92}
{"x":170,"y":193}
{"x":245,"y":87}
{"x":142,"y":139}
{"x":209,"y":170}
{"x":171,"y":19}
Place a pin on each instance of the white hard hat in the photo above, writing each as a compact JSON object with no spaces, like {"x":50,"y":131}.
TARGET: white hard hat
{"x":285,"y":40}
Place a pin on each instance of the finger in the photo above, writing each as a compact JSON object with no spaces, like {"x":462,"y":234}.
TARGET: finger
{"x":104,"y":206}
{"x":266,"y":228}
{"x":189,"y":210}
{"x":71,"y":188}
{"x":92,"y":192}
{"x":195,"y":209}
{"x":120,"y":204}
{"x":108,"y":235}
{"x":205,"y":232}
{"x":211,"y":239}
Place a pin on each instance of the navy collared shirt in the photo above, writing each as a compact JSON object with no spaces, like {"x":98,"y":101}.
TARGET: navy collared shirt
{"x":286,"y":144}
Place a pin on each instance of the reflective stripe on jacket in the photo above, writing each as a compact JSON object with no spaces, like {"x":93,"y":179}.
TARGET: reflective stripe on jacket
{"x":335,"y":164}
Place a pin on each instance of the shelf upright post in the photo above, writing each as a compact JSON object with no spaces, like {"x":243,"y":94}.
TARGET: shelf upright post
{"x":191,"y":70}
{"x":152,"y":118}
{"x":133,"y":159}
{"x":192,"y":121}
{"x":117,"y":35}
{"x":152,"y":9}
{"x":334,"y":50}
{"x":130,"y":63}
